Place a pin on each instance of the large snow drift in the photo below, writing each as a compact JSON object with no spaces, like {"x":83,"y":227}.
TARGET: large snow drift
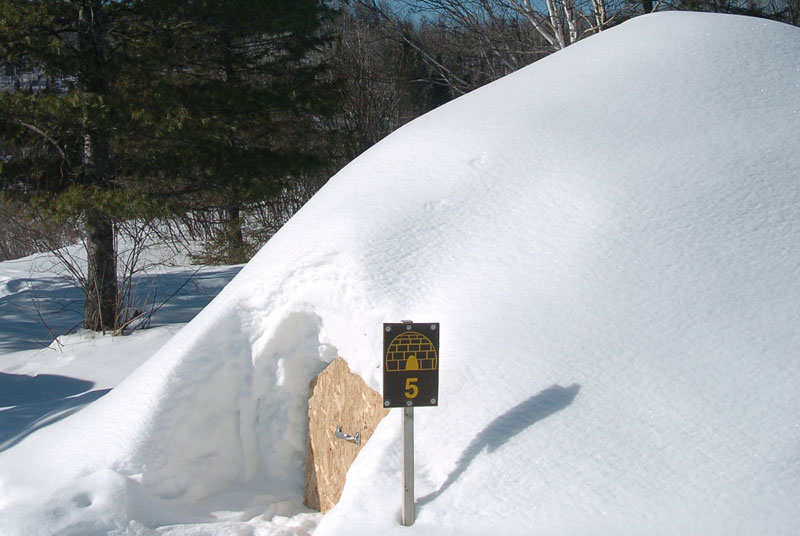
{"x":610,"y":239}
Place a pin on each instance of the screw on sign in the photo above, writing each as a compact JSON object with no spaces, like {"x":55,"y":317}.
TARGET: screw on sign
{"x":410,"y":365}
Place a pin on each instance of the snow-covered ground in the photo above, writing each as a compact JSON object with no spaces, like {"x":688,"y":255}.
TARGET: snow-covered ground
{"x":609,"y":239}
{"x":43,"y":379}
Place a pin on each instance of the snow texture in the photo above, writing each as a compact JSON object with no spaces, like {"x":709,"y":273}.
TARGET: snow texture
{"x":609,"y":239}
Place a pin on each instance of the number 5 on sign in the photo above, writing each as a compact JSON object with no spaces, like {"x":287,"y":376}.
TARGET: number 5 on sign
{"x":412,"y":390}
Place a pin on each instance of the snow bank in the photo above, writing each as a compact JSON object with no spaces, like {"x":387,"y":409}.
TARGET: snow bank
{"x":608,"y":239}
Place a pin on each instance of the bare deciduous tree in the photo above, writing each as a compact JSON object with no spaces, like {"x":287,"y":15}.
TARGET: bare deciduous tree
{"x":464,"y":43}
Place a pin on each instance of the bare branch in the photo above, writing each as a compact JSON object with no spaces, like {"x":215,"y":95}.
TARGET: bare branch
{"x":41,"y":133}
{"x":377,"y":10}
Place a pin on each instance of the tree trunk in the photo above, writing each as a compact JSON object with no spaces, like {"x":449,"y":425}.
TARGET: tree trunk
{"x":600,"y":16}
{"x":235,"y":249}
{"x":100,"y":311}
{"x":101,"y":290}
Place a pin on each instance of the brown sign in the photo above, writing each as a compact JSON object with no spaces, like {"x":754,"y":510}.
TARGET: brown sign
{"x":410,"y":365}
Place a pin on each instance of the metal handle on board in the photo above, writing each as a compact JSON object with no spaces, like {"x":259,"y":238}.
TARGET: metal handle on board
{"x":352,"y":439}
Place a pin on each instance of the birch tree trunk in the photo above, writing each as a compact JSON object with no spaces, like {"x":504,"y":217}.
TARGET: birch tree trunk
{"x":600,"y":15}
{"x":571,"y":17}
{"x":556,"y":23}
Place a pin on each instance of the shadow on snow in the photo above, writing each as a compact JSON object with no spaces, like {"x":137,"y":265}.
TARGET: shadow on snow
{"x":506,"y":426}
{"x":33,"y":402}
{"x":40,"y":309}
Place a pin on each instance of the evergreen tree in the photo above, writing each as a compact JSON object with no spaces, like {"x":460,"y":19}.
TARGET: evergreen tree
{"x":149,"y":107}
{"x":251,"y":85}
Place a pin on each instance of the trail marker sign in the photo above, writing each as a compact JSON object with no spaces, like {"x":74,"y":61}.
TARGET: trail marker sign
{"x":410,"y":365}
{"x":410,"y":379}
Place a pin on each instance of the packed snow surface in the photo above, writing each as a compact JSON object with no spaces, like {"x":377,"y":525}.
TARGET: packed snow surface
{"x":610,"y":239}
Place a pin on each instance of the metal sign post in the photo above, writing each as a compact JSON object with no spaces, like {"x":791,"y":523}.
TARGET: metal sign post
{"x":407,"y":519}
{"x":410,"y":378}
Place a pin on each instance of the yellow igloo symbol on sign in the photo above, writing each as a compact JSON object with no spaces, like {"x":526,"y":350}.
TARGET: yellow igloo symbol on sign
{"x":411,"y":351}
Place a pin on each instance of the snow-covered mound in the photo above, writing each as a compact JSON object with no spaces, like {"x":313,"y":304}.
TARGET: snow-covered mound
{"x":610,"y":239}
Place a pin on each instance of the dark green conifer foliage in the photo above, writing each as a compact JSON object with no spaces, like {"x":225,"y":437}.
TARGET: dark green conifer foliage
{"x":252,"y":87}
{"x":152,"y":107}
